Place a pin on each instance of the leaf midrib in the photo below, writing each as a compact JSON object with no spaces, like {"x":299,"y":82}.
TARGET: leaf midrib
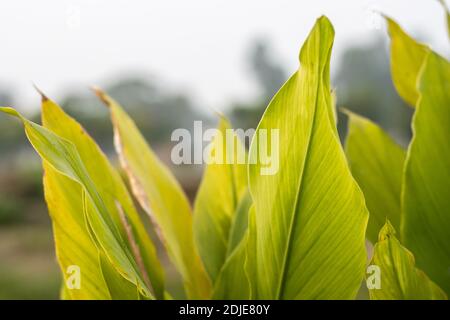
{"x":299,"y":193}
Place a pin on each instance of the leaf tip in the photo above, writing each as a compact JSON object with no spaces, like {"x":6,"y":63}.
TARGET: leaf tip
{"x":323,"y":20}
{"x":101,"y":95}
{"x":219,"y":114}
{"x":44,"y":98}
{"x":321,"y":35}
{"x":387,"y":231}
{"x":10,"y":111}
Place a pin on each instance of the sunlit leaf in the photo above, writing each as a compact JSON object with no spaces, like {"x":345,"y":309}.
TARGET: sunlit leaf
{"x":111,"y":189}
{"x":232,"y":281}
{"x":250,"y":266}
{"x":223,"y":185}
{"x":119,"y":288}
{"x":161,"y":197}
{"x":399,"y":278}
{"x":407,"y":57}
{"x":310,"y":215}
{"x":333,"y":107}
{"x":426,"y":187}
{"x":240,"y":222}
{"x":376,"y":162}
{"x":73,"y":244}
{"x":63,"y":157}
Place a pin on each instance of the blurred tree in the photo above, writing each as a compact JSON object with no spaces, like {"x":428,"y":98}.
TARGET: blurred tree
{"x":268,"y":73}
{"x":156,"y":110}
{"x":269,"y":76}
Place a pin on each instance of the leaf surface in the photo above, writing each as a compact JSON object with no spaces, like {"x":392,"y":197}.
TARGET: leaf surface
{"x":310,"y":215}
{"x":400,"y":279}
{"x":240,"y":222}
{"x":112,"y":191}
{"x":73,"y":244}
{"x":376,"y":162}
{"x":161,"y":197}
{"x":407,"y":57}
{"x":119,"y":288}
{"x":63,"y":157}
{"x":222,"y":187}
{"x":426,"y":187}
{"x":233,"y":282}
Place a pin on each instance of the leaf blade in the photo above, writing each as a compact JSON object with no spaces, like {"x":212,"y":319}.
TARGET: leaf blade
{"x":161,"y":197}
{"x":111,"y":188}
{"x":295,"y":259}
{"x":407,"y":57}
{"x":425,"y":200}
{"x":400,"y":279}
{"x":73,"y":244}
{"x":63,"y":157}
{"x":222,"y":187}
{"x":376,"y":162}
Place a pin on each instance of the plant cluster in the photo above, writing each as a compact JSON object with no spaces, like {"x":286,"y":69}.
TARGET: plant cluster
{"x":297,"y":234}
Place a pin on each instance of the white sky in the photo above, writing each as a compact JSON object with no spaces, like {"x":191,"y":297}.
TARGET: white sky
{"x":198,"y":45}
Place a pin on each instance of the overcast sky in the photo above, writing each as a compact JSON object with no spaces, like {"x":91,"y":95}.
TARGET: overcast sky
{"x":197,"y":45}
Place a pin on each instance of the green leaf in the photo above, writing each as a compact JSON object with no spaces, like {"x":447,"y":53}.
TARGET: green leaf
{"x":64,"y":292}
{"x":251,"y":263}
{"x":222,"y":187}
{"x":426,"y":198}
{"x":63,"y":157}
{"x":333,"y":107}
{"x":161,"y":197}
{"x":407,"y":57}
{"x":232,"y":282}
{"x":400,"y":279}
{"x":240,"y":222}
{"x":112,"y":191}
{"x":376,"y":162}
{"x":73,"y":244}
{"x":310,"y":215}
{"x":119,"y":288}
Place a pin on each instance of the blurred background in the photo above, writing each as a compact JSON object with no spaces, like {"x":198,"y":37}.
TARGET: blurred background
{"x":170,"y":63}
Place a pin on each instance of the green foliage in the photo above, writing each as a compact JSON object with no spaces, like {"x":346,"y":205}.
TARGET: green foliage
{"x":422,"y":207}
{"x":400,"y":279}
{"x":426,"y":184}
{"x":216,"y":209}
{"x":310,"y":216}
{"x":296,"y":233}
{"x":407,"y":57}
{"x":376,"y":160}
{"x":161,"y":197}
